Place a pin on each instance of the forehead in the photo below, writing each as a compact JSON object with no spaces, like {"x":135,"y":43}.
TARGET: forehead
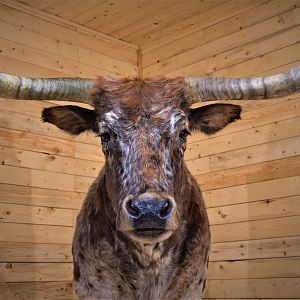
{"x":124,"y":99}
{"x":164,"y":118}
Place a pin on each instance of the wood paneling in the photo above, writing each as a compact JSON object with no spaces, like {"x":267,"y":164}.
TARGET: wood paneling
{"x":282,"y":288}
{"x":262,"y":190}
{"x":58,"y":290}
{"x":23,"y":233}
{"x":258,"y":229}
{"x":138,"y":21}
{"x":68,"y":33}
{"x":212,"y":30}
{"x":12,"y":213}
{"x":29,"y":195}
{"x":260,"y":210}
{"x":256,"y":249}
{"x":28,"y":272}
{"x":249,"y":172}
{"x":256,"y":268}
{"x":34,"y":253}
{"x":244,"y":36}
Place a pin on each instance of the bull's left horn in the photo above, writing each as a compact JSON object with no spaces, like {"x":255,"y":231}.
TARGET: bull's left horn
{"x":220,"y":88}
{"x":67,"y":89}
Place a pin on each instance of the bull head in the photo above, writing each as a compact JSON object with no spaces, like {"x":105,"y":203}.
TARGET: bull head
{"x":143,"y":125}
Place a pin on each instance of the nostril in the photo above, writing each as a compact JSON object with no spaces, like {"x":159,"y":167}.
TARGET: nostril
{"x":166,"y":208}
{"x":132,"y":209}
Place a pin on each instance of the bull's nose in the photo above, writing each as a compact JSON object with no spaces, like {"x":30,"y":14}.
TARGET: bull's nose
{"x":160,"y":208}
{"x":148,"y":217}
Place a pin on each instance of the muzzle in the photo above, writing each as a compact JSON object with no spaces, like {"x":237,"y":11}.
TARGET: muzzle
{"x":149,"y":216}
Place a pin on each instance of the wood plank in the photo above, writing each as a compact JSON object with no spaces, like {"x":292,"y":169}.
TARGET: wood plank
{"x":271,"y":112}
{"x":89,"y":152}
{"x":82,"y":183}
{"x":250,"y":299}
{"x":17,"y":121}
{"x":191,"y":26}
{"x":29,"y":214}
{"x":33,"y":252}
{"x":79,"y":198}
{"x":35,"y":160}
{"x":28,"y":233}
{"x":279,"y":68}
{"x":87,"y":168}
{"x":130,"y":16}
{"x":253,"y":50}
{"x":56,"y":6}
{"x":260,"y":210}
{"x":76,"y":13}
{"x":243,"y":53}
{"x":30,"y":272}
{"x":267,"y":27}
{"x":47,"y":162}
{"x":61,"y":290}
{"x":21,"y":68}
{"x":264,"y":190}
{"x":279,"y":227}
{"x":34,"y":107}
{"x":198,"y":166}
{"x":255,"y":154}
{"x":88,"y":11}
{"x":256,"y":268}
{"x":259,"y":135}
{"x":263,"y":62}
{"x":254,"y":288}
{"x":37,"y":21}
{"x":26,"y":107}
{"x":253,"y":249}
{"x":249,"y":174}
{"x":242,"y":15}
{"x":28,"y":195}
{"x":75,"y":214}
{"x":51,"y":61}
{"x":36,"y":178}
{"x":64,"y":49}
{"x":164,"y":18}
{"x":36,"y":142}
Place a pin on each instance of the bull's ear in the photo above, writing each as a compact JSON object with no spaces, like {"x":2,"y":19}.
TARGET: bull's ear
{"x":70,"y":118}
{"x":211,"y":118}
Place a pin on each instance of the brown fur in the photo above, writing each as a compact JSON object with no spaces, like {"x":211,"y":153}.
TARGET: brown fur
{"x":144,"y":156}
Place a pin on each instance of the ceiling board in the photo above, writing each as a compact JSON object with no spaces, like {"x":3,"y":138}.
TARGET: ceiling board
{"x":132,"y":21}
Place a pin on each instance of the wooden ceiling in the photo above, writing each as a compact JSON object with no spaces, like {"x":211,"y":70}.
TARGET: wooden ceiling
{"x":139,"y":22}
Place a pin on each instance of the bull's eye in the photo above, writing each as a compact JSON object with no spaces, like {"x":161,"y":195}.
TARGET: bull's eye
{"x":183,"y":134}
{"x":105,"y":137}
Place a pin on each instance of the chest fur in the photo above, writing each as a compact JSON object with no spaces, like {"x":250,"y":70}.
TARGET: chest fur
{"x":154,"y":272}
{"x":144,"y":274}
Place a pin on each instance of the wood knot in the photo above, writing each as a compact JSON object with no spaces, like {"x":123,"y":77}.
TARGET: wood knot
{"x":8,"y":266}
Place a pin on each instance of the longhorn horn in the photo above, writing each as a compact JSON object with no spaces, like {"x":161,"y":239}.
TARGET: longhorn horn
{"x":220,"y":88}
{"x":66,"y":89}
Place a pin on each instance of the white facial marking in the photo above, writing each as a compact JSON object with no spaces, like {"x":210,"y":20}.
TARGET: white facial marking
{"x":174,"y":119}
{"x":111,"y":116}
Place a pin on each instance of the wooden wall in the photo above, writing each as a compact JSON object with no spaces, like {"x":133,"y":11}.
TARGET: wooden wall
{"x":250,"y":171}
{"x":45,"y":173}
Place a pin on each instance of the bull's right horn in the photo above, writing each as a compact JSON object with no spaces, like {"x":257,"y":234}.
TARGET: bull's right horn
{"x":67,"y":89}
